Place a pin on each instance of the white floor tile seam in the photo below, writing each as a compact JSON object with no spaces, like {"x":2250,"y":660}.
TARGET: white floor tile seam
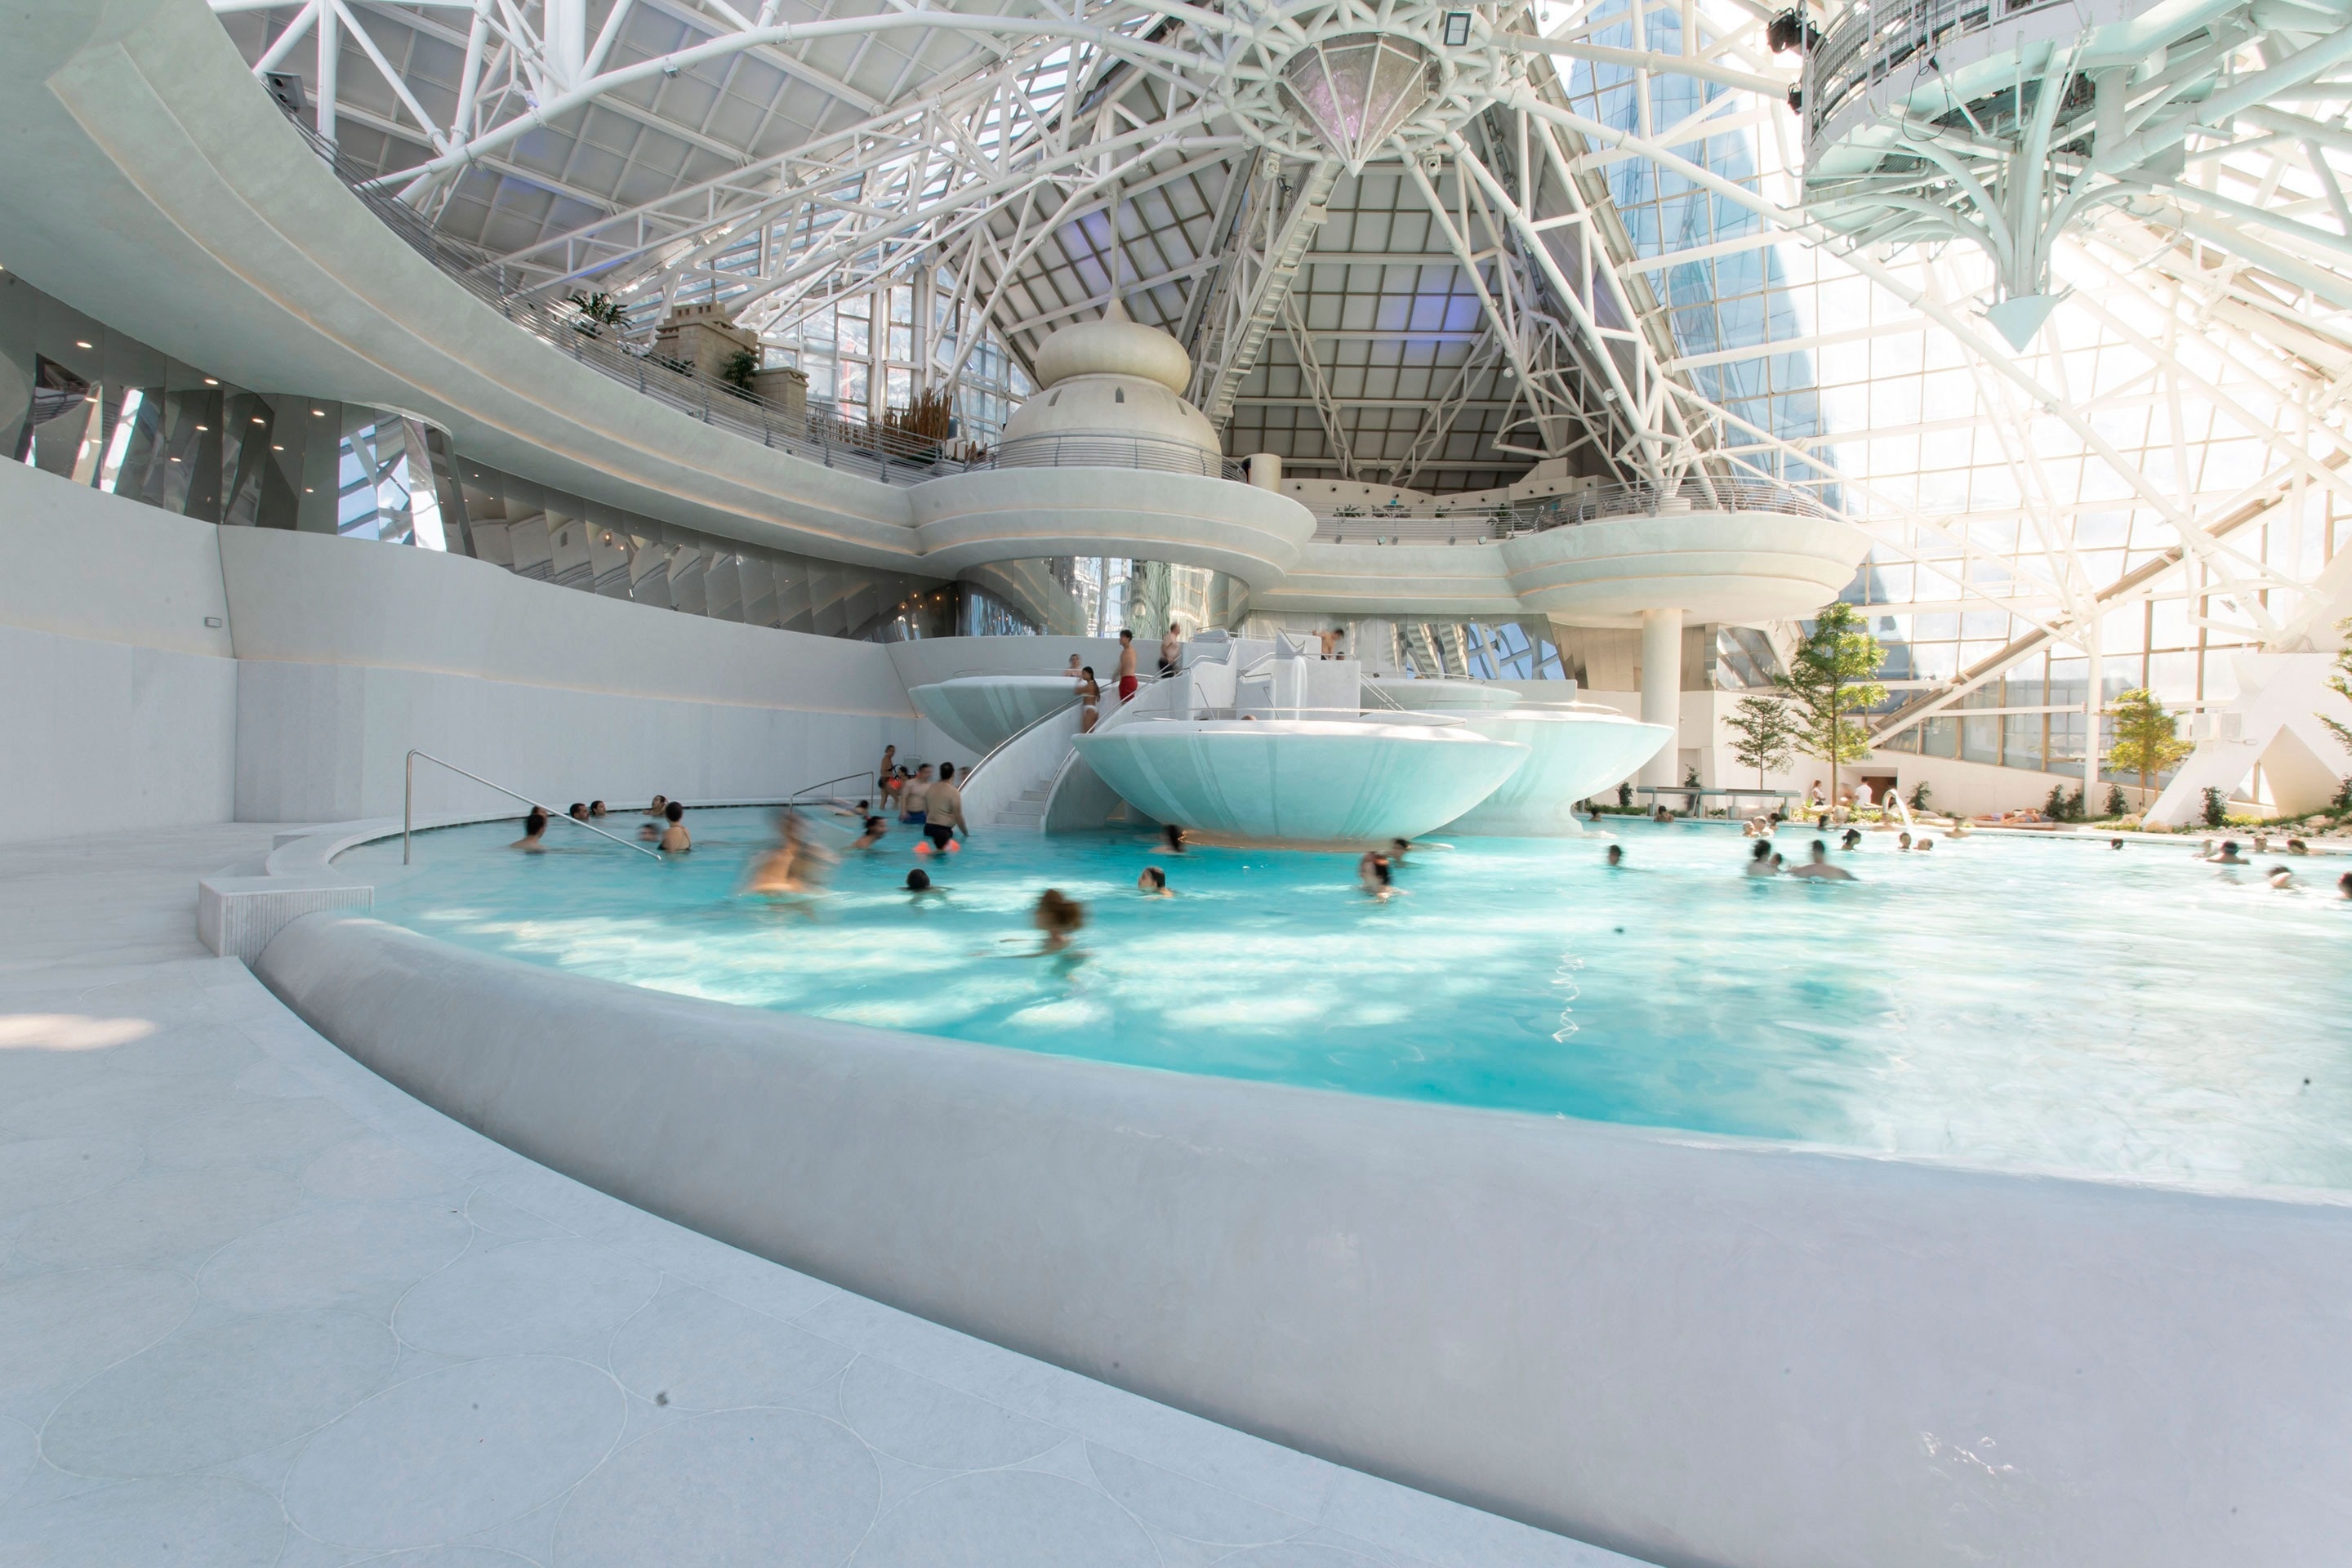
{"x":315,"y":1124}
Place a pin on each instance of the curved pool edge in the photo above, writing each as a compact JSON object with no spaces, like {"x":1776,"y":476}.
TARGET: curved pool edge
{"x":1688,"y":1349}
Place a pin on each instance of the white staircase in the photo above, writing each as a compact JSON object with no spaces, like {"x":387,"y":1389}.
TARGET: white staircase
{"x":1026,"y":812}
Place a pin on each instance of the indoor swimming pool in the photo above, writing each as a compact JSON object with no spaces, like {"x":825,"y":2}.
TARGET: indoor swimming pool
{"x":2046,"y":1005}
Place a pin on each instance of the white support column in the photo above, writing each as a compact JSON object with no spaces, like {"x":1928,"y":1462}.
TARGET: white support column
{"x":1661,"y":689}
{"x":330,"y":60}
{"x":1265,"y":470}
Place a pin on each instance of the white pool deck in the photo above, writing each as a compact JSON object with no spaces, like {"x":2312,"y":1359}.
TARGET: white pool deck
{"x":258,"y":1306}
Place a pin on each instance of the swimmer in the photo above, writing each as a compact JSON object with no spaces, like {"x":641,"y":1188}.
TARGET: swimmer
{"x":1778,"y":864}
{"x":1820,"y":867}
{"x":1154,"y":883}
{"x":875,"y":828}
{"x":2297,"y":846}
{"x":1903,"y":841}
{"x":2114,"y":843}
{"x":1057,"y":916}
{"x":534,"y":830}
{"x":1925,"y":844}
{"x":1372,"y":874}
{"x":1853,"y":839}
{"x":595,"y":808}
{"x":2262,"y":843}
{"x":1760,"y":860}
{"x":1175,"y":838}
{"x":1615,"y":857}
{"x":675,"y":839}
{"x":2228,"y":854}
{"x":2281,"y":878}
{"x":1397,"y":847}
{"x":2344,"y":886}
{"x":919,"y":883}
{"x":1660,"y":813}
{"x":656,"y":808}
{"x":579,"y":811}
{"x":1959,"y":828}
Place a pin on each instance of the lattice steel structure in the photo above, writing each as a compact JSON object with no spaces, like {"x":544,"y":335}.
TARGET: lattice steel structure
{"x":1585,"y":235}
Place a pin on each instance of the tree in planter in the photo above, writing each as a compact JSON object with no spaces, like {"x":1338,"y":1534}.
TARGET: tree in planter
{"x":597,"y":311}
{"x":1767,"y":731}
{"x":739,"y":370}
{"x":2117,"y":805}
{"x":2217,"y":808}
{"x":1829,"y":680}
{"x":2147,"y":739}
{"x":1919,"y":797}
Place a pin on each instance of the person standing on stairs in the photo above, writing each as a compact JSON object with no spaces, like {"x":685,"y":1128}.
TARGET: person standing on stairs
{"x":1089,"y":699}
{"x":1126,"y":682}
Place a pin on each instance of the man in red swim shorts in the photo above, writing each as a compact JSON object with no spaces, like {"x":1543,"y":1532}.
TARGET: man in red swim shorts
{"x":1125,"y":665}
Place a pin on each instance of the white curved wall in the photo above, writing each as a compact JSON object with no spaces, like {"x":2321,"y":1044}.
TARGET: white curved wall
{"x":118,"y":703}
{"x":1697,"y":1350}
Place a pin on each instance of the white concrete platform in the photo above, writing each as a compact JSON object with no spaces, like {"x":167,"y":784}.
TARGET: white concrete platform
{"x":257,"y":1307}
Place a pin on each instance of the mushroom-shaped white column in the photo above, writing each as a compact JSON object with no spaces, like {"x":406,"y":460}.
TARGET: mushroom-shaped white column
{"x":1661,"y":688}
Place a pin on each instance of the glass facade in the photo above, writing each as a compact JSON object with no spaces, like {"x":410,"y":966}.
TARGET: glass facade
{"x":98,"y":408}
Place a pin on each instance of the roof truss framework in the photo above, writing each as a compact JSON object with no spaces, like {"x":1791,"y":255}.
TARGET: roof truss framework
{"x":1612,"y":264}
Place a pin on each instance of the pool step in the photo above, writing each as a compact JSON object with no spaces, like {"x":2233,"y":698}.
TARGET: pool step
{"x":1028,"y":813}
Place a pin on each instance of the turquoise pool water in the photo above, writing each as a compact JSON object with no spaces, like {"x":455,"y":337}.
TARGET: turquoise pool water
{"x":2043,"y":1003}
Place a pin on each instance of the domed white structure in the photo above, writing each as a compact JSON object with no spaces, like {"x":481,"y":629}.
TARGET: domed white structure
{"x":1111,"y":393}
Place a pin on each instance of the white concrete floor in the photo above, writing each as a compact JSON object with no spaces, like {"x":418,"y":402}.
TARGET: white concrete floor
{"x":258,"y":1306}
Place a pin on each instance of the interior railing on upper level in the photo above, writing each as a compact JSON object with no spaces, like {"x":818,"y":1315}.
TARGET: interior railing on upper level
{"x":1438,"y":523}
{"x":894,"y":457}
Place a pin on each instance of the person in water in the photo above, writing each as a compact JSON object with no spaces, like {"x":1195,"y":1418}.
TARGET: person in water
{"x":675,"y":839}
{"x":1373,"y":874}
{"x":579,"y":811}
{"x":1853,"y":839}
{"x":875,"y":828}
{"x":534,"y":831}
{"x":1175,"y":838}
{"x":2281,"y":879}
{"x":943,"y":813}
{"x":1057,"y":917}
{"x":1759,"y":859}
{"x":1154,"y":883}
{"x":2228,"y":854}
{"x":595,"y":808}
{"x":919,"y":886}
{"x":1615,"y":858}
{"x":1820,"y":867}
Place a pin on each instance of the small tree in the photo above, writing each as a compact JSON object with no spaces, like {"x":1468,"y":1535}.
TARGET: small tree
{"x":1919,"y":797}
{"x":2341,"y":684}
{"x":1828,"y":680}
{"x":2217,"y":809}
{"x":2117,"y":805}
{"x":2062,"y":806}
{"x":1767,"y":731}
{"x":740,"y":367}
{"x":2147,"y":738}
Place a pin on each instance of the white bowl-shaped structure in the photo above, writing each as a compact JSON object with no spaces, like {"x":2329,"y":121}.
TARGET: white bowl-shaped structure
{"x":1572,"y":756}
{"x":1735,"y":566}
{"x":1436,"y":693}
{"x":982,"y":711}
{"x":1333,"y":781}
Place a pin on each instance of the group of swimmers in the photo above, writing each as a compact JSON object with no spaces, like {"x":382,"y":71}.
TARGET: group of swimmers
{"x":667,"y":830}
{"x":932,"y":804}
{"x":2279,"y":876}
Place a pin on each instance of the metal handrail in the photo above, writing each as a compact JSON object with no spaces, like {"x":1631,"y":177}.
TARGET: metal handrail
{"x":801,"y":793}
{"x":1110,"y":449}
{"x":408,"y":801}
{"x":972,"y":771}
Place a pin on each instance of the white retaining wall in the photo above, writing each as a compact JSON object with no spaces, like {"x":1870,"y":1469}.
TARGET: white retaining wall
{"x":1696,"y":1350}
{"x":331,"y":658}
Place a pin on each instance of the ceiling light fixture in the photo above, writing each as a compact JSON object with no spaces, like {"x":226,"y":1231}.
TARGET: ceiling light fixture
{"x":80,"y":343}
{"x":1355,"y":90}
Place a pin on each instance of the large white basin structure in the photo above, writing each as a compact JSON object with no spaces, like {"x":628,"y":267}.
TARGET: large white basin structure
{"x":982,"y":711}
{"x":1303,"y":780}
{"x":1574,"y":751}
{"x":1572,"y":754}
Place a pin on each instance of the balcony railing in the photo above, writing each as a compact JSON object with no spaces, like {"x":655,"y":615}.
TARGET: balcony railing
{"x":1871,"y":42}
{"x":1432,"y":524}
{"x":1098,"y":450}
{"x":894,"y":457}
